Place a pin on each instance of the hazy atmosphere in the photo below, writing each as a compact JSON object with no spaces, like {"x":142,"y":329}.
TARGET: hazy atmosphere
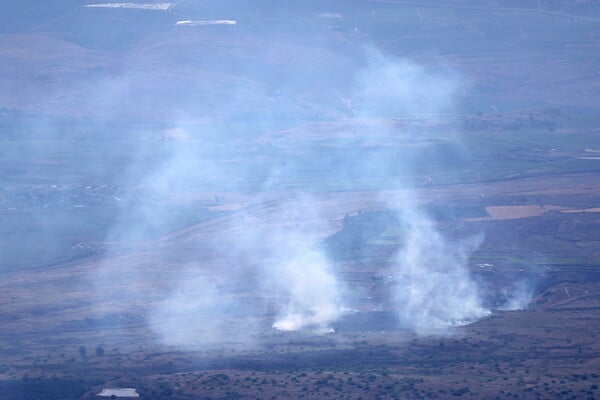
{"x":343,"y":199}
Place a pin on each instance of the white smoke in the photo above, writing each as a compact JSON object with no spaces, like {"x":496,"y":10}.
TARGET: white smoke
{"x":394,"y":87}
{"x":203,"y":312}
{"x":433,"y":287}
{"x":270,"y":272}
{"x":282,"y":278}
{"x":294,"y":272}
{"x":517,"y":297}
{"x":310,"y":291}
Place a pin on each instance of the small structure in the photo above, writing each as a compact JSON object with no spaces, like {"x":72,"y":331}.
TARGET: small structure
{"x":119,"y":392}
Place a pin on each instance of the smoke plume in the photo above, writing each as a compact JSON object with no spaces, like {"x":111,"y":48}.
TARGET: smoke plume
{"x":519,"y":296}
{"x":268,"y":269}
{"x":433,"y":287}
{"x":308,"y":287}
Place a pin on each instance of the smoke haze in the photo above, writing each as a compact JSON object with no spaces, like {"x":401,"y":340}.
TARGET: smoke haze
{"x":223,"y":144}
{"x":280,"y":253}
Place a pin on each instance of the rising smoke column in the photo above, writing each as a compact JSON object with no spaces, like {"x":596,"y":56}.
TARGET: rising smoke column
{"x":433,"y":289}
{"x":309,"y":289}
{"x":518,"y":296}
{"x":293,"y":271}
